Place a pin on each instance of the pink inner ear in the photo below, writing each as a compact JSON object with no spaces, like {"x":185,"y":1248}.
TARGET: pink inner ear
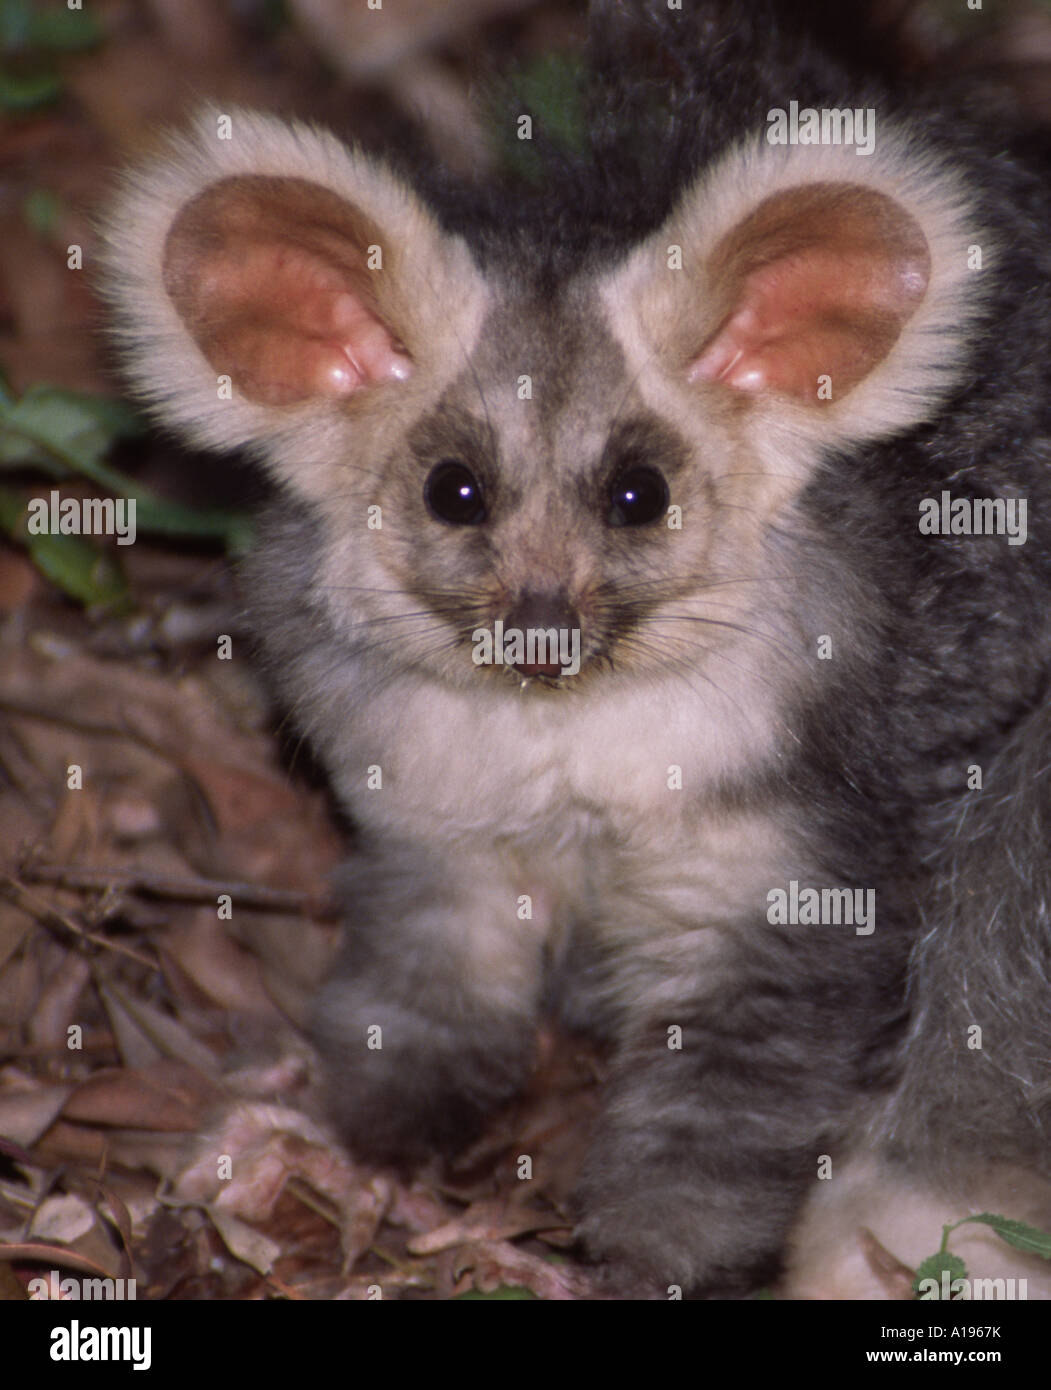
{"x":291,"y":328}
{"x":270,"y":277}
{"x":820,"y":282}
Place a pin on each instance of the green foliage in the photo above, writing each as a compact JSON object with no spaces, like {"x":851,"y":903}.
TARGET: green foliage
{"x":31,"y":36}
{"x":61,"y":432}
{"x":1016,"y":1233}
{"x":71,"y":563}
{"x":42,"y":211}
{"x":24,"y":93}
{"x":66,"y":434}
{"x":550,"y":89}
{"x":27,"y":24}
{"x":943,"y":1263}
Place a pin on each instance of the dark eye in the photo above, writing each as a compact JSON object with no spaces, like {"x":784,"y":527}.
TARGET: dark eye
{"x":454,"y":494}
{"x":638,"y":496}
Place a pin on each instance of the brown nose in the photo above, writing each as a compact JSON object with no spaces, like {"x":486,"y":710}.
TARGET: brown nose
{"x":542,"y":618}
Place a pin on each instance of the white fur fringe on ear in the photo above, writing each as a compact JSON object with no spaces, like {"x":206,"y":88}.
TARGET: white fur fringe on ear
{"x":433,"y":289}
{"x":665,"y":316}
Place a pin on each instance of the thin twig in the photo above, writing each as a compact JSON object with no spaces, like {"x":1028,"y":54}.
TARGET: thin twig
{"x":183,"y":889}
{"x":46,"y":912}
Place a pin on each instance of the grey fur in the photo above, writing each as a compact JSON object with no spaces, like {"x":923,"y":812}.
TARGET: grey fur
{"x":530,"y":846}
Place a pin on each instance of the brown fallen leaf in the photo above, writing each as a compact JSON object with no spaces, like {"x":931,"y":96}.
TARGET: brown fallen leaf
{"x":257,"y":1150}
{"x":485,"y":1221}
{"x":26,"y":1114}
{"x":164,"y":1034}
{"x":489,"y":1265}
{"x":243,"y":1241}
{"x":116,"y":1212}
{"x":62,"y":1218}
{"x":221,"y":969}
{"x":55,"y":1008}
{"x":52,"y":1254}
{"x":168,"y":1096}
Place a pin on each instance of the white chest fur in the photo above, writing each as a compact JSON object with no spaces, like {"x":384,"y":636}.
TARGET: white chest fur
{"x":601,"y":804}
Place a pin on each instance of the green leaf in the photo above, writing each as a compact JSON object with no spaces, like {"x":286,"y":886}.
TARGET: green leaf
{"x":550,"y":89}
{"x":80,"y":570}
{"x":12,"y":509}
{"x":504,"y":1292}
{"x":70,"y":562}
{"x":66,"y":432}
{"x":28,"y":24}
{"x":25,"y":93}
{"x":62,"y":431}
{"x":159,"y":517}
{"x":63,"y":30}
{"x":943,"y":1262}
{"x":1016,"y":1233}
{"x":42,"y":210}
{"x":16,"y":18}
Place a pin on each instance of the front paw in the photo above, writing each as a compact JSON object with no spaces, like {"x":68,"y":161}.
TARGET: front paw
{"x":403,"y":1088}
{"x":665,"y":1234}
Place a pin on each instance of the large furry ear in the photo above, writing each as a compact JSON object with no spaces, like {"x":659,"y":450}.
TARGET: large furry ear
{"x":276,"y":278}
{"x":818,"y":282}
{"x":808,"y":288}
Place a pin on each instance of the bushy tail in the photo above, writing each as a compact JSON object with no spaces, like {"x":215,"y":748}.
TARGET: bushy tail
{"x":977,"y":1074}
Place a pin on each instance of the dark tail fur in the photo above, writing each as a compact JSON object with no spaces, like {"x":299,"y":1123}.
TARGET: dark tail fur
{"x":984,"y":963}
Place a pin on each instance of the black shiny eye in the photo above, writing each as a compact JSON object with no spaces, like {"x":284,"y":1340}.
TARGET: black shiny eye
{"x":638,"y":496}
{"x":454,"y":494}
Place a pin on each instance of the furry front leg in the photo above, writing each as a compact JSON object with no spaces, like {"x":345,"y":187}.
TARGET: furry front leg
{"x":428,"y":1021}
{"x":706,"y":1150}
